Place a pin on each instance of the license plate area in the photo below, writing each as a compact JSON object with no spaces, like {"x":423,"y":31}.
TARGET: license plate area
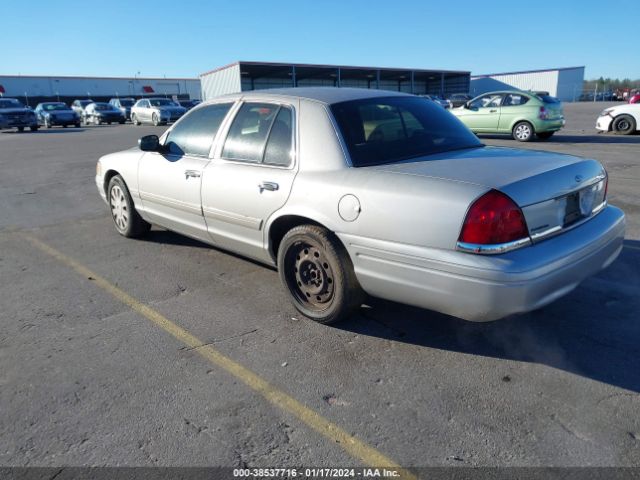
{"x":581,"y":204}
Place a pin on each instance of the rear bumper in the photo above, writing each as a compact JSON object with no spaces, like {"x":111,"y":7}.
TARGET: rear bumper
{"x":485,"y":288}
{"x":550,"y":125}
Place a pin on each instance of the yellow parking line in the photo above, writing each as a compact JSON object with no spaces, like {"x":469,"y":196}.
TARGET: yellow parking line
{"x":354,"y":447}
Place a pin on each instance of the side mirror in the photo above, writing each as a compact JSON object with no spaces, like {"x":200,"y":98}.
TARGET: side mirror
{"x":149,"y":143}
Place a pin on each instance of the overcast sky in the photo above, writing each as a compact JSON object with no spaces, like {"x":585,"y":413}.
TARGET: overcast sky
{"x":188,"y":37}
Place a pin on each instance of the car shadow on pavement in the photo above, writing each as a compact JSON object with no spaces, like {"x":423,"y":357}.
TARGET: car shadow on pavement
{"x":167,"y":237}
{"x":51,"y":130}
{"x":593,"y":332}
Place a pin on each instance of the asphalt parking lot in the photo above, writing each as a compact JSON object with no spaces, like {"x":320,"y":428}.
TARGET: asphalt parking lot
{"x":92,"y":373}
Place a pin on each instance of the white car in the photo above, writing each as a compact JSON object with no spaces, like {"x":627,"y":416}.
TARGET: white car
{"x":623,"y":119}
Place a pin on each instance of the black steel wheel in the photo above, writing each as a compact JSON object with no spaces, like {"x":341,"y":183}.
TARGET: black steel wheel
{"x":318,"y":274}
{"x":624,"y":124}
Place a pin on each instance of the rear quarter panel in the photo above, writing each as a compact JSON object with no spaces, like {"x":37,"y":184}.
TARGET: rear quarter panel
{"x":399,"y":208}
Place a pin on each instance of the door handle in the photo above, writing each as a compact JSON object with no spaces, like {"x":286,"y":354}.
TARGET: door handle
{"x":191,"y":173}
{"x":493,"y":111}
{"x":271,"y":186}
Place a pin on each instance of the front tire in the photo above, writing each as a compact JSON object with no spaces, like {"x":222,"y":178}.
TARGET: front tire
{"x":318,"y":274}
{"x":126,"y":219}
{"x":134,"y":119}
{"x":624,"y":124}
{"x":523,"y":132}
{"x":34,"y":128}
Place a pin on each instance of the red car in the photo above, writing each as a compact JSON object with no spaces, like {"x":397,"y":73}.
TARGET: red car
{"x":635,"y":98}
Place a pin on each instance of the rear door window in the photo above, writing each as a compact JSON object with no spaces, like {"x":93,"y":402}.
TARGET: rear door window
{"x":249,"y":131}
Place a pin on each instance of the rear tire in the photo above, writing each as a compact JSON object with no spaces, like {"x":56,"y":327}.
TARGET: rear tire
{"x":545,"y":135}
{"x":523,"y":132}
{"x":21,"y":129}
{"x":126,"y":219}
{"x":34,"y":128}
{"x":155,"y":119}
{"x":624,"y":125}
{"x":318,"y":274}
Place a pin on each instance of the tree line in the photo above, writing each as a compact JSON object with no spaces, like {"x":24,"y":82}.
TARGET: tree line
{"x":611,"y":84}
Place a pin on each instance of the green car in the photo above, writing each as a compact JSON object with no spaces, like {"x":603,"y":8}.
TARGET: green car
{"x":521,"y":114}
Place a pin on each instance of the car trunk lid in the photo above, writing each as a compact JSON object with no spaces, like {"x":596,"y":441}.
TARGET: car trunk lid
{"x":554,"y":190}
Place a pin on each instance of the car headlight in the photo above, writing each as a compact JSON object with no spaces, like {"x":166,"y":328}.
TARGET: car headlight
{"x":606,"y":111}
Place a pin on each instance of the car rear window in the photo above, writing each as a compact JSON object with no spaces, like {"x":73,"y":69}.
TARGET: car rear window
{"x":392,"y":129}
{"x":548,"y":99}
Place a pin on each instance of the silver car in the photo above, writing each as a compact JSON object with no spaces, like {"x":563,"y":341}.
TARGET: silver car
{"x":158,"y":111}
{"x":354,"y":191}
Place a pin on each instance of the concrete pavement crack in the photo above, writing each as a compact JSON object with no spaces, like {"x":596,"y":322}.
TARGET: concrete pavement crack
{"x":212,"y":342}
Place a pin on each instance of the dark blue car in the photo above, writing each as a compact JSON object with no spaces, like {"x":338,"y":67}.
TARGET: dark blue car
{"x":56,"y":113}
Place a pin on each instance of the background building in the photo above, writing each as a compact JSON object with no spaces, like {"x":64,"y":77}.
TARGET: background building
{"x":564,"y":83}
{"x":243,"y":76}
{"x":35,"y":89}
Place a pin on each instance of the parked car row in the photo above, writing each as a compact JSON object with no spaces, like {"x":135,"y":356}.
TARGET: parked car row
{"x":158,"y":111}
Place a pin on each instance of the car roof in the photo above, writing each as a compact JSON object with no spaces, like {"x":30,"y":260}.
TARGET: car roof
{"x":327,"y":95}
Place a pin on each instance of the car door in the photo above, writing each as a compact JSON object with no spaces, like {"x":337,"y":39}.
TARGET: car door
{"x":511,"y":109}
{"x":169,"y":182}
{"x":251,"y":176}
{"x":483,"y":113}
{"x":144,"y":112}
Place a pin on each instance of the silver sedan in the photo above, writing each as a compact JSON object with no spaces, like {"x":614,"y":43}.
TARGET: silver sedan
{"x":158,"y":111}
{"x":351,"y":192}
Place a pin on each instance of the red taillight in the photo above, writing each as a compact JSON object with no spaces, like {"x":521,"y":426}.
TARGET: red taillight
{"x":492,"y":219}
{"x":543,"y":115}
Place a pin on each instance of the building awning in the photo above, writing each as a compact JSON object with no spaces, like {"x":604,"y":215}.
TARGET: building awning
{"x":147,"y":89}
{"x":2,"y":90}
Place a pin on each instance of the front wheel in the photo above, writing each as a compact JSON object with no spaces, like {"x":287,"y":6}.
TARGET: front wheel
{"x":624,"y":124}
{"x":123,"y":212}
{"x":523,"y":132}
{"x":134,"y":119}
{"x":545,"y":135}
{"x":21,"y":129}
{"x":318,"y":274}
{"x":34,"y":128}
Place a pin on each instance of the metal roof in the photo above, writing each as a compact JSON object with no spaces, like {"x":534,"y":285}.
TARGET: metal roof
{"x":328,"y":95}
{"x":526,"y":71}
{"x":342,"y":67}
